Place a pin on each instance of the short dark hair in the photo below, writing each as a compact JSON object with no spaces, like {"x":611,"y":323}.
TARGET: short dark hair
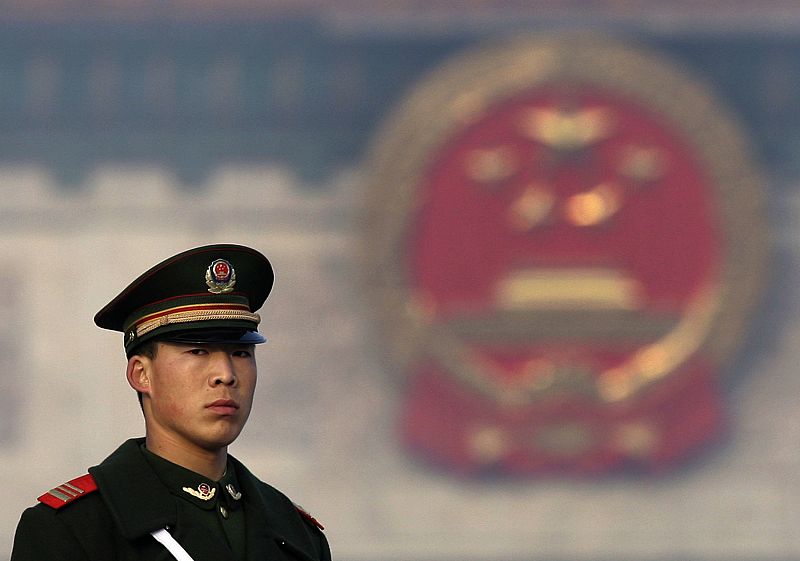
{"x":148,"y":348}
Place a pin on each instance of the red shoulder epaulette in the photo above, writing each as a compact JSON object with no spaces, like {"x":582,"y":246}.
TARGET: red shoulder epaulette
{"x":308,"y":517}
{"x":69,"y":491}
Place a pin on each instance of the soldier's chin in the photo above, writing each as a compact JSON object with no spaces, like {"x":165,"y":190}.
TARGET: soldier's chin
{"x":222,"y":440}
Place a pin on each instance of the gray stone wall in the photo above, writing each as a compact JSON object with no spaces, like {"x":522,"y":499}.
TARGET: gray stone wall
{"x":323,"y":425}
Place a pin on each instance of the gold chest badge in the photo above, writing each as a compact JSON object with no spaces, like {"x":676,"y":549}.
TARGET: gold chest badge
{"x":203,"y":492}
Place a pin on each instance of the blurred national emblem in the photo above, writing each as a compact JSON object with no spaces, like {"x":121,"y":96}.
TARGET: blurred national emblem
{"x":566,"y":244}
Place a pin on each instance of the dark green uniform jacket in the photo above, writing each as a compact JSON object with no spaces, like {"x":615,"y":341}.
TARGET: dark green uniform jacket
{"x":114,"y":523}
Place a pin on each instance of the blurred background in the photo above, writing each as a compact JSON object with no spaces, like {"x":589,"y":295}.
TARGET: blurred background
{"x":417,"y":416}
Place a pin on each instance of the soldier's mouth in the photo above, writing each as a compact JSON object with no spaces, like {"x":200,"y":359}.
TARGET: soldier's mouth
{"x":223,"y":406}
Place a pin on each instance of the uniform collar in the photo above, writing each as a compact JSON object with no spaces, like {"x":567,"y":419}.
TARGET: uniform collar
{"x":137,"y":499}
{"x":194,"y":487}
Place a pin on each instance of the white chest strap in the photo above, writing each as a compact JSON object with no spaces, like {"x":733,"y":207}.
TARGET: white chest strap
{"x":166,"y":539}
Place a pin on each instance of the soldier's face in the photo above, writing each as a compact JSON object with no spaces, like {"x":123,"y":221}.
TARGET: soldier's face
{"x":199,"y":396}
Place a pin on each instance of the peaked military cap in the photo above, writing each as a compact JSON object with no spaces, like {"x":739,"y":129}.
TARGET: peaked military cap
{"x":208,"y":294}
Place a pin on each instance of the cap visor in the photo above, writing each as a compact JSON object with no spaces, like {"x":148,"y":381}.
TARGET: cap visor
{"x":217,"y":336}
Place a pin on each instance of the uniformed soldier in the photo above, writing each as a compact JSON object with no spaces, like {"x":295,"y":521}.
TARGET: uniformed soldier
{"x":189,"y":327}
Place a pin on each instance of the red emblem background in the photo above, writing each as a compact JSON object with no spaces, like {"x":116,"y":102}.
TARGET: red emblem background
{"x":566,"y":239}
{"x":221,"y":270}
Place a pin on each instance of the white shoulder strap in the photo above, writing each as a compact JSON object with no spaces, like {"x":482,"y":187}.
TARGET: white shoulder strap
{"x":166,"y":539}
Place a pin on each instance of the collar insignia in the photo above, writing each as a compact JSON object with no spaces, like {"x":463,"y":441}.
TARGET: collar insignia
{"x":220,"y":277}
{"x":203,"y":492}
{"x":236,"y":495}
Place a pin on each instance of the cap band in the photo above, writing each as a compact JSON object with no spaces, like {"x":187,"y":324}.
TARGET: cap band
{"x":187,"y":314}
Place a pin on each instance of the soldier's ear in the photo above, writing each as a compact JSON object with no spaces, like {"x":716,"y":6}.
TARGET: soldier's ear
{"x":138,"y":373}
